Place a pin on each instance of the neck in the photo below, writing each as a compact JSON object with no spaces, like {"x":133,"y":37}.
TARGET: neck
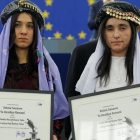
{"x":119,"y":54}
{"x":22,"y":55}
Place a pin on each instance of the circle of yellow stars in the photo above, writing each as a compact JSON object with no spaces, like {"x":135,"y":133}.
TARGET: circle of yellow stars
{"x":49,"y":26}
{"x":90,"y":2}
{"x":82,"y":35}
{"x":49,"y":2}
{"x":46,"y":14}
{"x":57,"y":34}
{"x":69,"y":37}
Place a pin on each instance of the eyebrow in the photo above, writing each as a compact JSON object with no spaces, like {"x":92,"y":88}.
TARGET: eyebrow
{"x":21,"y":21}
{"x":108,"y":26}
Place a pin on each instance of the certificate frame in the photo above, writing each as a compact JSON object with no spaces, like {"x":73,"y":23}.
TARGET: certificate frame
{"x":43,"y":99}
{"x":90,"y":98}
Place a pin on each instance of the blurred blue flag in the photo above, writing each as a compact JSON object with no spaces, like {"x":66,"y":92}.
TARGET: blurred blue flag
{"x":66,"y":19}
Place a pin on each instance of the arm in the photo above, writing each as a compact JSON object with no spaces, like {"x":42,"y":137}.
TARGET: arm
{"x":54,"y":137}
{"x":76,"y":66}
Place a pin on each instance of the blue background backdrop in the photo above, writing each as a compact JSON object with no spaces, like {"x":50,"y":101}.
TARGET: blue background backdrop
{"x":68,"y":17}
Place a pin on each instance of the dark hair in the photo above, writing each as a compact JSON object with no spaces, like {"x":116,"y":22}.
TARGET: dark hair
{"x":14,"y":76}
{"x":105,"y":61}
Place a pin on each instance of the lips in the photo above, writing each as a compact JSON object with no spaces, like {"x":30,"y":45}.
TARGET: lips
{"x":23,"y":39}
{"x":116,"y":42}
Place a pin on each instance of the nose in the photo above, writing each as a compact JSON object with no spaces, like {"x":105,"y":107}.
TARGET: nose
{"x":116,"y":34}
{"x":23,"y":30}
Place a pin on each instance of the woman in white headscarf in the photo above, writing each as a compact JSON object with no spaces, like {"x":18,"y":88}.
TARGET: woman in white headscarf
{"x":116,"y":60}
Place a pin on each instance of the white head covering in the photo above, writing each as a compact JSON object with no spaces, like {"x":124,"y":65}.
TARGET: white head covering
{"x":87,"y":82}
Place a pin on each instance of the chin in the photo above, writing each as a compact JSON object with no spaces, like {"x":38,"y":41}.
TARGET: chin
{"x":118,"y":49}
{"x":119,"y":52}
{"x":22,"y":47}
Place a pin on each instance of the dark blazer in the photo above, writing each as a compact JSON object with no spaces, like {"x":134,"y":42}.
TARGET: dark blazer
{"x":77,"y":64}
{"x":92,"y":15}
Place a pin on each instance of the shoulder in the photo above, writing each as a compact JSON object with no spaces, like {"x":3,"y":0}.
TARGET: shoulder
{"x":84,"y":51}
{"x":86,"y":47}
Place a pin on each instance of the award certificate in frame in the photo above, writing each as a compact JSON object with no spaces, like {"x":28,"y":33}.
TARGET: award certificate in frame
{"x":26,"y":114}
{"x":107,"y":115}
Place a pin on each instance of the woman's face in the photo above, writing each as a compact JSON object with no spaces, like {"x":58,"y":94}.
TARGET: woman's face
{"x":24,"y":31}
{"x":118,"y":35}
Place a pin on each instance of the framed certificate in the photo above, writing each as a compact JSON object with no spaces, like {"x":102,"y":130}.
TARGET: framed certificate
{"x":26,"y":115}
{"x":106,"y":115}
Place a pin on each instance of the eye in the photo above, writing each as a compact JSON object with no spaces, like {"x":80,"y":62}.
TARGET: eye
{"x":109,"y":29}
{"x":123,"y":28}
{"x":17,"y":25}
{"x":30,"y":26}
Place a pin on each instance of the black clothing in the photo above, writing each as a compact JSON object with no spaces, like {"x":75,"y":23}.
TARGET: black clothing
{"x":77,"y":64}
{"x":95,"y":7}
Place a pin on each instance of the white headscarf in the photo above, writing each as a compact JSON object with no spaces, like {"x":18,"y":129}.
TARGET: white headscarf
{"x":87,"y":82}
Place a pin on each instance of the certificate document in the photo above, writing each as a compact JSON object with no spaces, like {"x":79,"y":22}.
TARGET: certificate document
{"x":107,"y":116}
{"x":25,"y":115}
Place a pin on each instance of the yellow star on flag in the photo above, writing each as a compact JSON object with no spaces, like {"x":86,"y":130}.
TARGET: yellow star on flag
{"x":57,"y":35}
{"x":46,"y":14}
{"x":49,"y":26}
{"x":82,"y":35}
{"x":90,"y":2}
{"x":69,"y":37}
{"x":49,"y":2}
